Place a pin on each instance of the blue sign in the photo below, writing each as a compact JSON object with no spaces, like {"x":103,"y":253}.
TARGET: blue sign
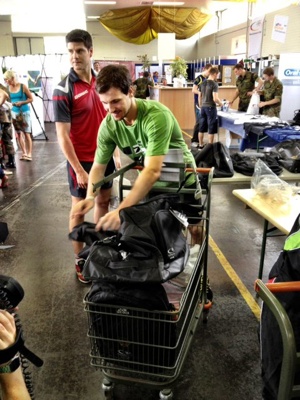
{"x":292,"y":72}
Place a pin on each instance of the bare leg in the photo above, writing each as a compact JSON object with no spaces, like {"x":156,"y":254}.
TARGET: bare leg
{"x":28,"y":143}
{"x":21,"y":142}
{"x":101,"y":204}
{"x":201,"y":138}
{"x":77,"y":246}
{"x":211,"y":138}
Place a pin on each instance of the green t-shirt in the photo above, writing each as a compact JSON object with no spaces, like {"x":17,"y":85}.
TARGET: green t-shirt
{"x":153,"y":133}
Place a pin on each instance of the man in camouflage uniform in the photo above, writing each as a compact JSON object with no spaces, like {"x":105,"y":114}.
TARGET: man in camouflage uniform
{"x":6,"y":131}
{"x":142,"y":86}
{"x":245,"y":84}
{"x":272,"y":94}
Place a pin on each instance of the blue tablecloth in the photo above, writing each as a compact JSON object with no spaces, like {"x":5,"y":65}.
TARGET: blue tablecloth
{"x":269,"y":137}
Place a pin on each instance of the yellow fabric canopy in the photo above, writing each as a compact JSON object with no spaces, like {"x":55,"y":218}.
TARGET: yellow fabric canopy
{"x":141,"y":25}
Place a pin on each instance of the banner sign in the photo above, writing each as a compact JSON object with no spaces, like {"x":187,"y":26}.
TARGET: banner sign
{"x":255,"y":33}
{"x":279,"y":28}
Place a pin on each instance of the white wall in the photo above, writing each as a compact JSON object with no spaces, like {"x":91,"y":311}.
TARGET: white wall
{"x":220,"y":42}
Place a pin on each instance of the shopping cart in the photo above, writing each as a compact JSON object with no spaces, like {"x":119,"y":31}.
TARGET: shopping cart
{"x":287,"y":388}
{"x":149,"y":347}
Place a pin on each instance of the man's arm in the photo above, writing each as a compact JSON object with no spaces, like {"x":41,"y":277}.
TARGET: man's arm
{"x":216,"y":98}
{"x":12,"y":383}
{"x":143,"y":184}
{"x":236,"y":95}
{"x":63,"y":136}
{"x":260,"y":84}
{"x":195,"y":89}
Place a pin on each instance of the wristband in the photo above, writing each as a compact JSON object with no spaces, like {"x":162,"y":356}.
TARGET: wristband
{"x":12,"y":366}
{"x":90,"y":198}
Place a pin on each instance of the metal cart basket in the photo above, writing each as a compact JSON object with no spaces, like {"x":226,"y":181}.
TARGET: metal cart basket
{"x":149,"y":347}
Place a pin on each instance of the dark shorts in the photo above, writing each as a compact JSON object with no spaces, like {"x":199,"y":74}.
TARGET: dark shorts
{"x":209,"y":120}
{"x":87,"y":166}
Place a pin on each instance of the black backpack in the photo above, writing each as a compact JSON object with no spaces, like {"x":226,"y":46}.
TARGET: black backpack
{"x":288,"y":155}
{"x":214,"y":155}
{"x":244,"y":163}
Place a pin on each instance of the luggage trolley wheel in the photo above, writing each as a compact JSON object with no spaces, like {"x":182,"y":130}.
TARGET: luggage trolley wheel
{"x":107,"y":387}
{"x":166,"y":394}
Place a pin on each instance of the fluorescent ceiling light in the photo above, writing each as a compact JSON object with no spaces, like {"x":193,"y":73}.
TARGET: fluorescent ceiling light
{"x":93,"y":16}
{"x":168,"y":3}
{"x":100,"y":2}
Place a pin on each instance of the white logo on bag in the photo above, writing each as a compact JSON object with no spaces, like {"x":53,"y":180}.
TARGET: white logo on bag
{"x":171,"y":253}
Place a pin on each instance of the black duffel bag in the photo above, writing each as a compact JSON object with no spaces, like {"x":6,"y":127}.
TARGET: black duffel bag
{"x":149,"y":247}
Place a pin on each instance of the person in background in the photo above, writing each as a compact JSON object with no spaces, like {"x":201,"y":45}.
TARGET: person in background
{"x":208,"y":98}
{"x":155,"y":76}
{"x":6,"y":130}
{"x":142,"y":86}
{"x":96,"y":67}
{"x":20,"y":97}
{"x":78,"y":113}
{"x":196,"y":87}
{"x":272,"y":94}
{"x":12,"y":382}
{"x":139,"y":128}
{"x":245,"y":86}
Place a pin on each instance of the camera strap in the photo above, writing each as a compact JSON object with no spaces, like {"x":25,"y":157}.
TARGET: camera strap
{"x":19,"y":347}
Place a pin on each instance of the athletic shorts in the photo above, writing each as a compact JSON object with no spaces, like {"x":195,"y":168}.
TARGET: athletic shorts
{"x":87,"y":166}
{"x":209,"y":120}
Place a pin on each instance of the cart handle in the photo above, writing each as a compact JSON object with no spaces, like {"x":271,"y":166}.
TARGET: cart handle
{"x":198,"y":170}
{"x":280,"y":287}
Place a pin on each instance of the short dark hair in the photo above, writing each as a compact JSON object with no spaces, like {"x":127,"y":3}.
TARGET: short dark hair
{"x":78,"y":36}
{"x":117,"y":76}
{"x":268,"y":71}
{"x":207,"y":66}
{"x":146,"y":74}
{"x":238,"y":66}
{"x":213,"y":70}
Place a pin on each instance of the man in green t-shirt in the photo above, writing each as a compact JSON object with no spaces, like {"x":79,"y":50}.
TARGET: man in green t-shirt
{"x":139,"y":128}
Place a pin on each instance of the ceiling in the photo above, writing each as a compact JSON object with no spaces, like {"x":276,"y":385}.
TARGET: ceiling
{"x":98,"y":9}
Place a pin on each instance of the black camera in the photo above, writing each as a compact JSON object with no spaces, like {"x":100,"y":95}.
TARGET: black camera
{"x":11,"y":292}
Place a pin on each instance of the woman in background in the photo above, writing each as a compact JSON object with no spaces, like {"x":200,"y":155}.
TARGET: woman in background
{"x":20,"y":97}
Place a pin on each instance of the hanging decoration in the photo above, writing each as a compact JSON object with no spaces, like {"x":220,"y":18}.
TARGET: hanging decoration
{"x":141,"y":25}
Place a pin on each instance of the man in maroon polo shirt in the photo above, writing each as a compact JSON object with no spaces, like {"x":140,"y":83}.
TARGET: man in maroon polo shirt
{"x":78,"y":113}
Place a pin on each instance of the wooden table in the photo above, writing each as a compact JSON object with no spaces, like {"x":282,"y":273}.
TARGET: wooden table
{"x":280,"y":216}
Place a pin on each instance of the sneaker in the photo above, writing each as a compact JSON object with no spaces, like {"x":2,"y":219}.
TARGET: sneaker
{"x":194,"y":144}
{"x":79,"y":267}
{"x":8,"y":172}
{"x":4,"y":182}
